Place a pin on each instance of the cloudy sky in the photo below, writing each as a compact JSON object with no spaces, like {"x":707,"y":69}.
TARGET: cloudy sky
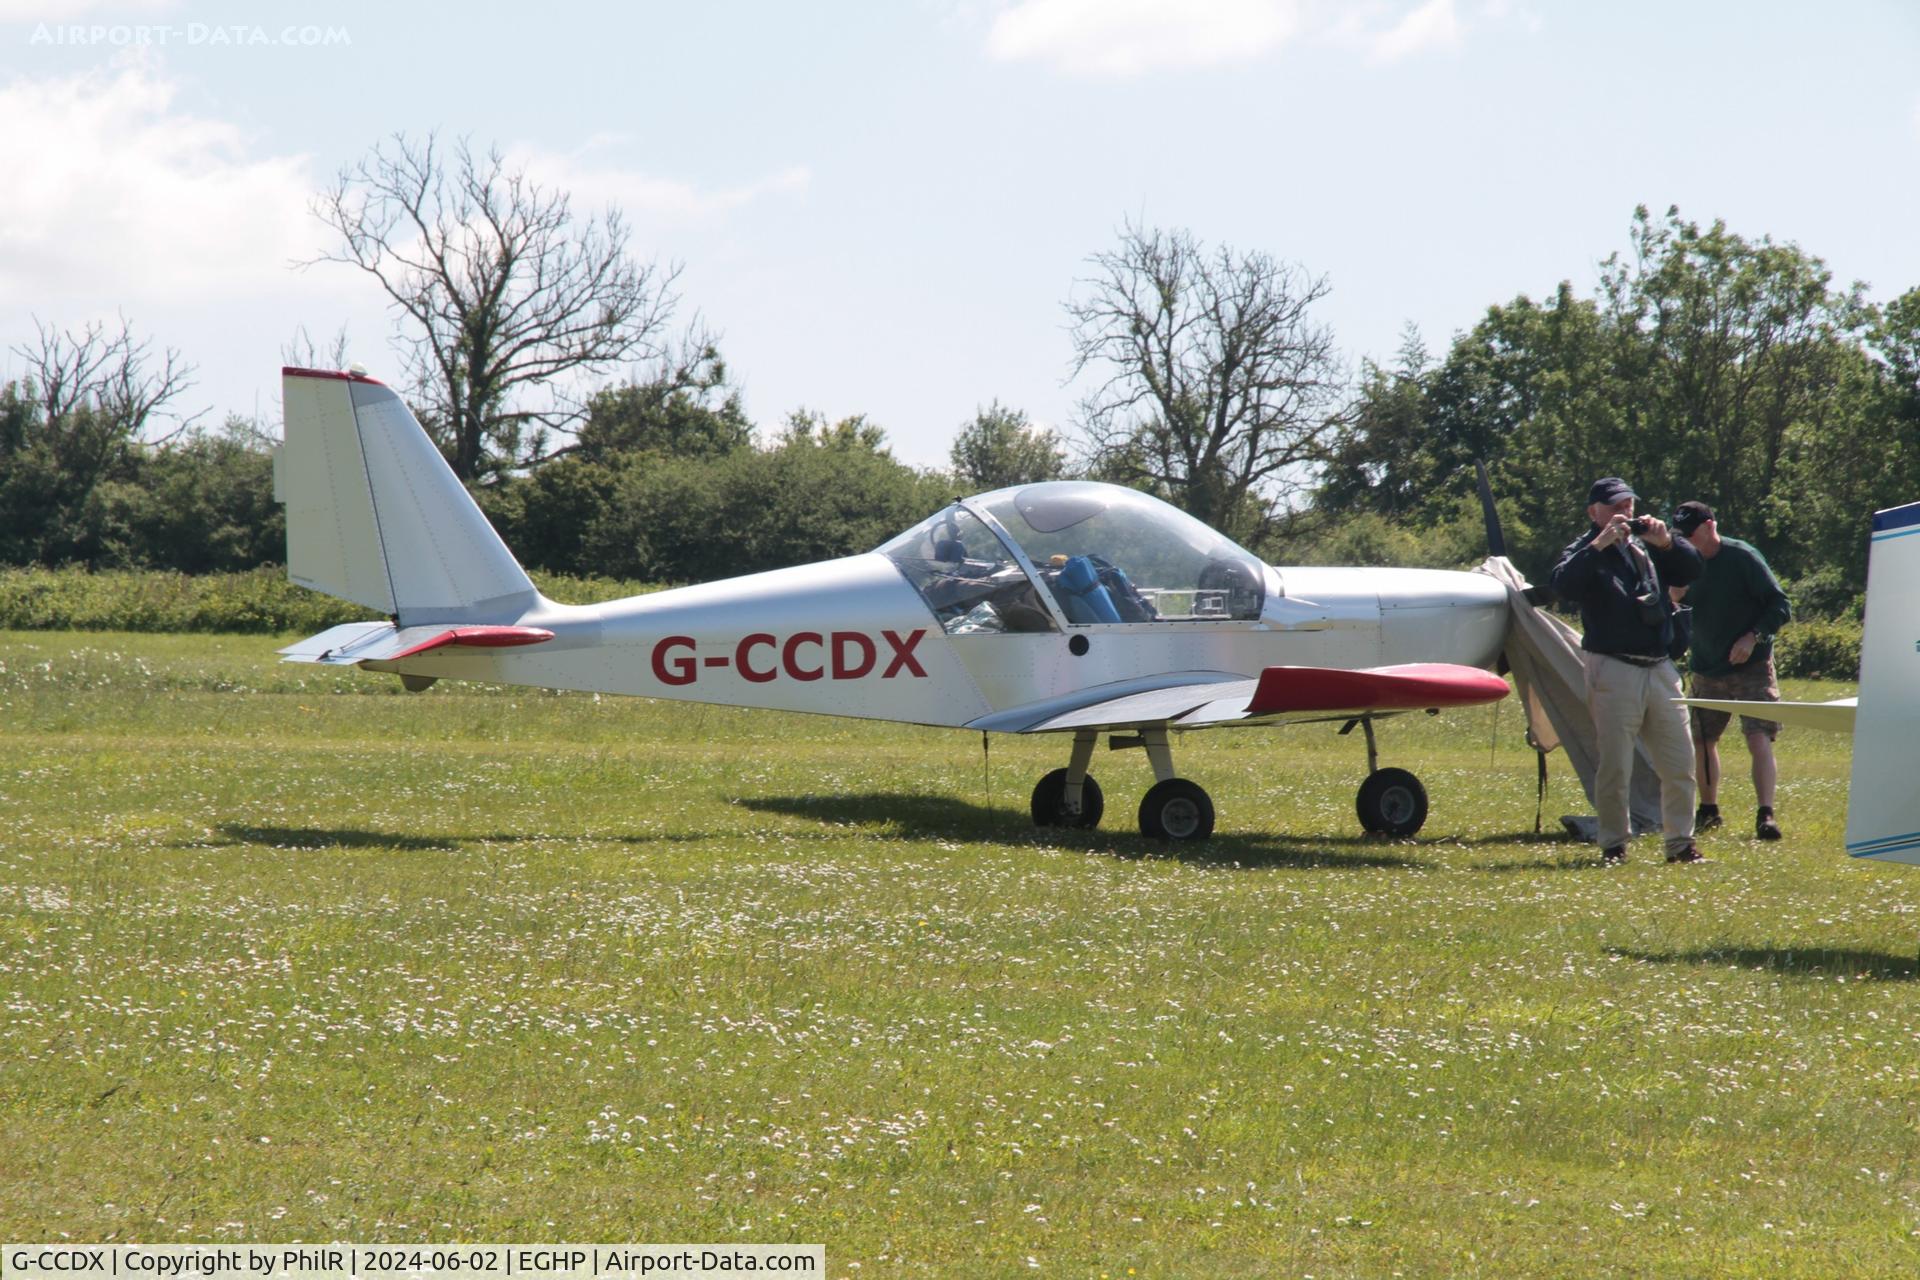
{"x":882,"y":207}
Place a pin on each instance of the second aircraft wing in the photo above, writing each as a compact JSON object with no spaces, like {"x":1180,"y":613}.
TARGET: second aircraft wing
{"x":1279,"y":695}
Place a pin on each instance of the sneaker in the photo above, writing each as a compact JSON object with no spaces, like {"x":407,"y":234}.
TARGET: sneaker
{"x":1764,"y":827}
{"x":1706,"y":818}
{"x":1614,"y":857}
{"x":1689,"y":854}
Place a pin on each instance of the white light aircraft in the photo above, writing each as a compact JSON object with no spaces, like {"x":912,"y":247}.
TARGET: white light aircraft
{"x":1068,"y":608}
{"x":1883,"y":809}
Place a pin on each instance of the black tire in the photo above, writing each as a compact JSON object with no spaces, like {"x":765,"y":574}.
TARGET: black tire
{"x":1391,"y":803}
{"x":1050,"y":800}
{"x":1176,"y":810}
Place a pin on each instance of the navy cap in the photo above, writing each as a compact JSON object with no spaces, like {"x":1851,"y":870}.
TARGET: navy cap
{"x":1689,"y":516}
{"x":1609,"y":489}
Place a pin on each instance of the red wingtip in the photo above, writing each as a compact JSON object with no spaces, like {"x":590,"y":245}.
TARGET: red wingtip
{"x":1412,"y":687}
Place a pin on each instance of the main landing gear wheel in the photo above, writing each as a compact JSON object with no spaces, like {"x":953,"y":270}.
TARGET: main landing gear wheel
{"x":1050,"y":802}
{"x":1391,"y":803}
{"x":1176,"y":810}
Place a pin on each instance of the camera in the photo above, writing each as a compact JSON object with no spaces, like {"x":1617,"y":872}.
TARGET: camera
{"x":1640,"y":524}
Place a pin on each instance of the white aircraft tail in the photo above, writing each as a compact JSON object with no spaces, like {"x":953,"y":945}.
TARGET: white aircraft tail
{"x":375,"y":515}
{"x":1883,"y":807}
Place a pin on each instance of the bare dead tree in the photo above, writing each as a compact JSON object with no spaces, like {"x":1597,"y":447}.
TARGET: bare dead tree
{"x":500,"y":290}
{"x":98,"y":392}
{"x":301,"y":352}
{"x":1218,"y":390}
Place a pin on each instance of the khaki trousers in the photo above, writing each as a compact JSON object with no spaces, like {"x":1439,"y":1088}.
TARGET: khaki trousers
{"x":1632,"y":703}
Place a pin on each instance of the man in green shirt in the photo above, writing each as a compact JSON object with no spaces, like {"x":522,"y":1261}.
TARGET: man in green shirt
{"x":1737,"y":607}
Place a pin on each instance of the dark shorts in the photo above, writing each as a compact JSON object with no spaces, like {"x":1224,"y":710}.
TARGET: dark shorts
{"x":1755,"y":683}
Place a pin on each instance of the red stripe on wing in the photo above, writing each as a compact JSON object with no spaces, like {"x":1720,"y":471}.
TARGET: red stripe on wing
{"x":1411,"y":687}
{"x":479,"y":638}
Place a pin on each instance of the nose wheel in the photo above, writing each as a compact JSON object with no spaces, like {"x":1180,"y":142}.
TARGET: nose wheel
{"x":1050,"y":808}
{"x":1070,"y":797}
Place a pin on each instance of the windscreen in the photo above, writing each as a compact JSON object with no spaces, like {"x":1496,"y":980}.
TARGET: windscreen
{"x":966,"y":575}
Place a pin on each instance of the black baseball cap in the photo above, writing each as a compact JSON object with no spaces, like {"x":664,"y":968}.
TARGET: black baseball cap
{"x":1689,"y":516}
{"x":1609,"y":489}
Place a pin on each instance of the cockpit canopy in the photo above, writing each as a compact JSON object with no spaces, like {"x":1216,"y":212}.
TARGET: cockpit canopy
{"x":1098,"y":553}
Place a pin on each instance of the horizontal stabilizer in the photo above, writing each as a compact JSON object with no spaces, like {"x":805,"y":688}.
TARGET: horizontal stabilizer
{"x":1833,"y":717}
{"x":383,"y":642}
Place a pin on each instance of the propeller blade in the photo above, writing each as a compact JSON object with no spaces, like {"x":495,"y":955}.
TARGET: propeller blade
{"x":1496,"y":540}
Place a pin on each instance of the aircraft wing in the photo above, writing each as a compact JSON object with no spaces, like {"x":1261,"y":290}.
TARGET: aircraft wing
{"x":1834,"y":717}
{"x":1279,"y":695}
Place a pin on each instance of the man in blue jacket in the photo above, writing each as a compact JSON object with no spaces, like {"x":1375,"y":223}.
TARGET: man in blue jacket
{"x":1618,"y":572}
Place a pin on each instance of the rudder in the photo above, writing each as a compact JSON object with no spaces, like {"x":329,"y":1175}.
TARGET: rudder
{"x":375,"y":515}
{"x":1883,"y":810}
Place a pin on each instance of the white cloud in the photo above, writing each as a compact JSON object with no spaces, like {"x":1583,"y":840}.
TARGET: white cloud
{"x":1432,"y":25}
{"x":112,"y":190}
{"x":1515,"y":11}
{"x":1130,"y":37}
{"x":595,"y":184}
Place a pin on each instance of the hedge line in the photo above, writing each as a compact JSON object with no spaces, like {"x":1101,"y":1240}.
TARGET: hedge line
{"x":1818,"y":649}
{"x":263,"y":601}
{"x":259,"y":602}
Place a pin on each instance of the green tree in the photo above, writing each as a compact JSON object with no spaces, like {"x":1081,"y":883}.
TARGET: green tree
{"x":1381,"y":459}
{"x":1894,"y":341}
{"x":821,"y":490}
{"x":1000,"y":447}
{"x":1743,"y":345}
{"x":1707,"y":366}
{"x":208,"y":504}
{"x":72,"y":434}
{"x":685,"y":408}
{"x":809,"y":429}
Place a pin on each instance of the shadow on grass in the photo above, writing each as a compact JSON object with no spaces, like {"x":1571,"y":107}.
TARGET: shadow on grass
{"x":326,"y":838}
{"x":1810,"y":962}
{"x":1256,"y":852}
{"x":945,"y":816}
{"x":317,"y":838}
{"x":1559,"y":851}
{"x":1513,"y":837}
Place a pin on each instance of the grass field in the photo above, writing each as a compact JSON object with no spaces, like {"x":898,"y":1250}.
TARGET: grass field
{"x":290,"y":955}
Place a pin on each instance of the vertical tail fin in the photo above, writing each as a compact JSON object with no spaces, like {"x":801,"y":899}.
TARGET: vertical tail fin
{"x":375,"y":515}
{"x":1883,"y":805}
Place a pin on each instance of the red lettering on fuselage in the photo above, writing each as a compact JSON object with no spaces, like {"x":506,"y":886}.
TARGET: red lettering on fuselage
{"x":746,"y":669}
{"x":804,"y":656}
{"x":844,"y":669}
{"x":789,"y":655}
{"x":673,"y":670}
{"x":903,"y":655}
